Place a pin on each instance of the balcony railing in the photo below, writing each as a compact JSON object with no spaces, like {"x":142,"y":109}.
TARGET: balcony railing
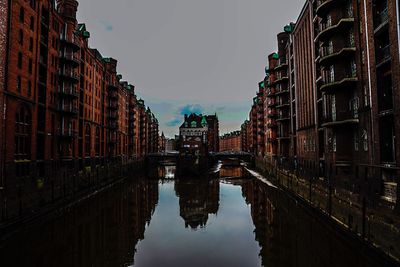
{"x":330,"y":28}
{"x":68,"y":133}
{"x":70,"y":57}
{"x":69,"y":74}
{"x":70,"y":42}
{"x":383,"y":55}
{"x":68,"y":108}
{"x":381,"y":18}
{"x":68,"y":91}
{"x":340,"y":118}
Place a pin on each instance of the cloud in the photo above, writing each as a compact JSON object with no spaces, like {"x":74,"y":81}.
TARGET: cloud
{"x":189,"y":109}
{"x":107,"y":25}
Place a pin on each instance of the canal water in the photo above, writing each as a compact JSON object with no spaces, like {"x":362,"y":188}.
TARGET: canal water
{"x":227,"y":218}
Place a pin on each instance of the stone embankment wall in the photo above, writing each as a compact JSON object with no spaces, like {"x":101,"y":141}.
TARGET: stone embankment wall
{"x":377,"y":223}
{"x":30,"y":197}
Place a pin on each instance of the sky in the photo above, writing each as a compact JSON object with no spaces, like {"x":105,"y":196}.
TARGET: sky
{"x":183,"y":56}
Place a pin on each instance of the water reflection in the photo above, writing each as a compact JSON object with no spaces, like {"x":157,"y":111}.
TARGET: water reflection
{"x":197,"y":199}
{"x":103,"y":231}
{"x":289,"y":235}
{"x":239,"y":221}
{"x":166,"y":172}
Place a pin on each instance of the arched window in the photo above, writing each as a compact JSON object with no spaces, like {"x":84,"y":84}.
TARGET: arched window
{"x":97,"y":141}
{"x":87,"y":140}
{"x":23,"y":124}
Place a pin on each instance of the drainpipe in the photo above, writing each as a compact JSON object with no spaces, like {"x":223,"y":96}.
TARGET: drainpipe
{"x":4,"y":106}
{"x":369,"y":82}
{"x":398,"y":25}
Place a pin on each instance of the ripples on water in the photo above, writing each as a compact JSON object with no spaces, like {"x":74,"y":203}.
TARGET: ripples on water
{"x":227,"y":219}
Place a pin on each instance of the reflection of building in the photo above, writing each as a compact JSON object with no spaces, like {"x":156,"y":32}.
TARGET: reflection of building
{"x":103,"y":231}
{"x":166,"y":172}
{"x":231,"y":172}
{"x":198,"y":134}
{"x":197,"y":199}
{"x":231,"y":142}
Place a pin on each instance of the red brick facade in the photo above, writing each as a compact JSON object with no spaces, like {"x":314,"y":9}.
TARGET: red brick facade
{"x":331,"y":93}
{"x":231,"y":142}
{"x":65,"y":105}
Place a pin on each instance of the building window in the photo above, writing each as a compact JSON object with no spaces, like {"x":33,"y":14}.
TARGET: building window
{"x":30,"y":66}
{"x":387,"y":139}
{"x":29,"y":89}
{"x":333,"y":108}
{"x":365,"y":140}
{"x":21,"y":37}
{"x":19,"y":84}
{"x":20,"y":60}
{"x":332,"y":73}
{"x":87,"y":140}
{"x":97,"y":141}
{"x":33,"y":4}
{"x":353,"y":67}
{"x":352,"y":40}
{"x":23,"y":124}
{"x":356,"y":141}
{"x":32,"y":24}
{"x":31,"y":44}
{"x":334,"y":147}
{"x":21,"y":15}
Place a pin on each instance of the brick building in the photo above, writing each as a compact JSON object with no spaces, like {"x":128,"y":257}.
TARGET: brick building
{"x":231,"y":142}
{"x":331,"y":89}
{"x":65,"y":105}
{"x":199,"y":134}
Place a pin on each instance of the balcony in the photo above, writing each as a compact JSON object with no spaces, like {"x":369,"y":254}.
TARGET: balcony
{"x":281,"y":80}
{"x":328,"y":30}
{"x":69,"y":75}
{"x":272,"y":115}
{"x":113,"y":125}
{"x":282,"y":92}
{"x":324,"y":6}
{"x":113,"y":86}
{"x":283,"y":117}
{"x":70,"y":58}
{"x":67,"y":133}
{"x":281,"y":65}
{"x":381,"y":20}
{"x":271,"y":94}
{"x":272,"y":125}
{"x":340,"y":119}
{"x":283,"y":106}
{"x":329,"y":55}
{"x":68,"y":91}
{"x":113,"y":105}
{"x":68,"y":109}
{"x":72,"y":42}
{"x":272,"y":104}
{"x":331,"y":84}
{"x":383,"y":56}
{"x":113,"y":115}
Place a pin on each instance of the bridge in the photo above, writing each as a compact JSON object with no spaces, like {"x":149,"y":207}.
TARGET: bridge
{"x":172,"y":157}
{"x":232,"y":155}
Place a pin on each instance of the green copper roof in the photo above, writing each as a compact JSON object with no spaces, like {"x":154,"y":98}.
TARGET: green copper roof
{"x":119,"y":76}
{"x":275,"y":56}
{"x":289,"y":28}
{"x":262,"y":85}
{"x":204,"y":121}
